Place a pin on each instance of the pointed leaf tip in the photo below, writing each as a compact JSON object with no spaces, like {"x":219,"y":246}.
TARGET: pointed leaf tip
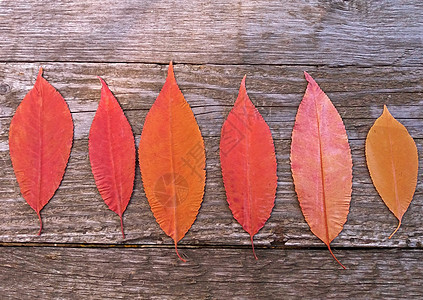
{"x":242,"y":93}
{"x":309,"y":78}
{"x":103,"y":83}
{"x":170,"y":72}
{"x":242,"y":88}
{"x":40,"y":72}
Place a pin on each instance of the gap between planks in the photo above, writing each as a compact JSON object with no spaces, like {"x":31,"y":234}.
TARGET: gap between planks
{"x":175,"y":63}
{"x":200,"y":246}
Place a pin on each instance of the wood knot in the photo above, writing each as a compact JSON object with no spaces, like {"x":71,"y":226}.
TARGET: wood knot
{"x":4,"y":89}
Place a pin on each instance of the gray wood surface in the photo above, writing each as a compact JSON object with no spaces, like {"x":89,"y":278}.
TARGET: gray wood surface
{"x":153,"y":273}
{"x":360,"y":32}
{"x":363,"y":54}
{"x":77,"y":214}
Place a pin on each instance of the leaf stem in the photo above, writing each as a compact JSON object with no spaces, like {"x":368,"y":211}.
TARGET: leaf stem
{"x":41,"y":222}
{"x":252,"y":244}
{"x":177,"y":253}
{"x":330,"y":250}
{"x":399,"y":224}
{"x":121,"y":226}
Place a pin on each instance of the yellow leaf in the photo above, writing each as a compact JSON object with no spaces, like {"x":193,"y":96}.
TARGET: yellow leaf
{"x":392,"y":160}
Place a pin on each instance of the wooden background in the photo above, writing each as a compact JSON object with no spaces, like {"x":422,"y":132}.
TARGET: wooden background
{"x":362,"y":53}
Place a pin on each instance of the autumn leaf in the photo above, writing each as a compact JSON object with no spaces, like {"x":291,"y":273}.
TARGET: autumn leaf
{"x":321,"y":164}
{"x":112,"y":153}
{"x":393,"y":163}
{"x":248,"y":162}
{"x":172,"y":161}
{"x":40,"y":141}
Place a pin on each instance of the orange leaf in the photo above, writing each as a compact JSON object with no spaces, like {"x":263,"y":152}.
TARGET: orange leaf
{"x":112,"y":153}
{"x":172,"y":161}
{"x":321,"y":164}
{"x":393,"y":162}
{"x":248,"y":160}
{"x":40,"y":140}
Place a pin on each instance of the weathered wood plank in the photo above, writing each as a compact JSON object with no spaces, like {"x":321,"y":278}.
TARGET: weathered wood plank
{"x":363,"y":54}
{"x":77,"y":214}
{"x":210,"y":120}
{"x":156,"y":273}
{"x":358,"y":93}
{"x":238,"y":32}
{"x":137,"y":85}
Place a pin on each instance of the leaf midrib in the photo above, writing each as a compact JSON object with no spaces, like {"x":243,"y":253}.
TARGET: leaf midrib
{"x":397,"y":202}
{"x":112,"y":161}
{"x":40,"y":147}
{"x":172,"y":165}
{"x":322,"y":171}
{"x":248,"y":200}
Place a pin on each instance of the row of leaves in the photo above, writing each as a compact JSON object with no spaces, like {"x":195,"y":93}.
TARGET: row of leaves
{"x":172,"y":158}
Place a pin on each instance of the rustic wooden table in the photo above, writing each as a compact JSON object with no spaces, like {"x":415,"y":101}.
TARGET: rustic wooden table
{"x":363,"y":53}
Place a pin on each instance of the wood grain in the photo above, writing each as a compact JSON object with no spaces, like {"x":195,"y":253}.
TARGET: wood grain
{"x":76,"y":214}
{"x":156,"y":273}
{"x":288,"y":32}
{"x":362,"y":53}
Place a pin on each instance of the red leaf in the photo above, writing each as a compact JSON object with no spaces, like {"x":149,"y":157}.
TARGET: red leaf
{"x":172,"y":161}
{"x":248,"y":163}
{"x":112,"y":153}
{"x":40,"y":140}
{"x":321,"y":164}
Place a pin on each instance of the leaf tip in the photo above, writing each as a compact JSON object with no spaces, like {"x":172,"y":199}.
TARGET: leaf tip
{"x":386,"y":112}
{"x":104,"y":88}
{"x":242,"y":93}
{"x":40,"y":72}
{"x":103,"y":83}
{"x":309,"y":78}
{"x":170,"y":72}
{"x":242,"y":87}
